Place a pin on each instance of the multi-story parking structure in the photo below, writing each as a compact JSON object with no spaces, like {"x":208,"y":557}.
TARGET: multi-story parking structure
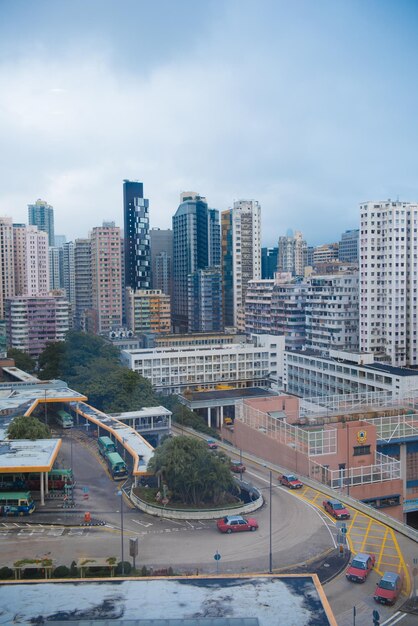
{"x":173,"y":370}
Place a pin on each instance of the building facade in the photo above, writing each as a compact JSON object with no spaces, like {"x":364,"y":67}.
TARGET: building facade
{"x":241,"y":257}
{"x":331,"y":309}
{"x":172,"y":370}
{"x":7,"y":282}
{"x":161,"y":244}
{"x":389,"y":281}
{"x":268,"y":262}
{"x":31,"y":261}
{"x":288,"y":313}
{"x":326,"y":253}
{"x":34,"y":321}
{"x":291,"y":255}
{"x":348,"y":249}
{"x":205,"y":300}
{"x":196,"y":241}
{"x":83,"y":282}
{"x":106,"y":268}
{"x":136,"y":236}
{"x":41,"y":214}
{"x":309,"y":374}
{"x":148,"y":311}
{"x":258,"y":317}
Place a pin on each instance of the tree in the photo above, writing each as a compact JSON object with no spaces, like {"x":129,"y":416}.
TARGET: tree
{"x":193,"y":474}
{"x":22,"y":360}
{"x":28,"y":427}
{"x":186,"y":417}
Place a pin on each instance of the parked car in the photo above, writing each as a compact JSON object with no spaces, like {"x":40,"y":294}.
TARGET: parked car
{"x":388,"y":588}
{"x":236,"y":523}
{"x":291,"y":481}
{"x":237,"y":467}
{"x":336,"y":509}
{"x":360,"y":567}
{"x":212,"y":444}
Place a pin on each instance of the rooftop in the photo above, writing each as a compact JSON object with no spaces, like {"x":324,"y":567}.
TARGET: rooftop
{"x":23,"y":455}
{"x":192,"y":601}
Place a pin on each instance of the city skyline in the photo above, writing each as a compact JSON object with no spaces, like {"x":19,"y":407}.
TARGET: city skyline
{"x":297,"y":107}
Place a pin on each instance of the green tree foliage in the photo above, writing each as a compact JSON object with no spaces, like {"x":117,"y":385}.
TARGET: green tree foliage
{"x":22,"y":360}
{"x":90,"y":365}
{"x":28,"y":427}
{"x":193,"y":474}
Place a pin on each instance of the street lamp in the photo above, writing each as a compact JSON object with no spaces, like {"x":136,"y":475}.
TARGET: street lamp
{"x":120,"y":493}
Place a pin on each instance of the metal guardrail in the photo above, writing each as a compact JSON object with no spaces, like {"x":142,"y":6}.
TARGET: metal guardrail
{"x":385,"y":519}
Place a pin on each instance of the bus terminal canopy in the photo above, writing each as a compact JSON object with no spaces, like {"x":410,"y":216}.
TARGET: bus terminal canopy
{"x":24,"y":456}
{"x":140,"y":450}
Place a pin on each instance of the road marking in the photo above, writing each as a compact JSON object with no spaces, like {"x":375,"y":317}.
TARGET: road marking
{"x":173,"y":521}
{"x":366,"y":535}
{"x":55,"y":532}
{"x":191,"y":525}
{"x":379,"y":560}
{"x":146,"y":524}
{"x":75,"y":532}
{"x":392,"y":620}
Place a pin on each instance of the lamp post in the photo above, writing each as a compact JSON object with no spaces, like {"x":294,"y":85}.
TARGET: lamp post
{"x":120,"y":493}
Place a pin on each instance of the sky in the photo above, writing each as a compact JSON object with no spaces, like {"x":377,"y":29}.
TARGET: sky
{"x":308,"y":107}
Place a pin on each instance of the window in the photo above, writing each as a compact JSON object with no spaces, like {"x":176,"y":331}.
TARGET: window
{"x":361,"y":450}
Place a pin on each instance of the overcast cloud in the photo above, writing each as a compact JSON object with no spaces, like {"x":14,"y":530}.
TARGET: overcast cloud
{"x":308,"y":107}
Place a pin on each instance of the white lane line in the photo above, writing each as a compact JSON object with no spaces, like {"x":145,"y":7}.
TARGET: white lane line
{"x":146,"y":524}
{"x":394,"y":619}
{"x":191,"y":525}
{"x":173,"y":521}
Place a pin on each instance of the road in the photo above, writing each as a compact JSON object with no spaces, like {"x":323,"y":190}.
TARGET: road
{"x":300,"y":531}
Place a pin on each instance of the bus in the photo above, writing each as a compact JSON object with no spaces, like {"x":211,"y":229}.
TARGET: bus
{"x":64,"y":419}
{"x":57,"y":479}
{"x":116,"y":465}
{"x":106,"y":446}
{"x":16,"y":503}
{"x":12,"y":482}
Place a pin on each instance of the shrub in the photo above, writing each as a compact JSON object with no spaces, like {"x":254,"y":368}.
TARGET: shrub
{"x":144,"y":571}
{"x":126,"y":568}
{"x":61,"y":571}
{"x":5,"y":572}
{"x":73,"y":569}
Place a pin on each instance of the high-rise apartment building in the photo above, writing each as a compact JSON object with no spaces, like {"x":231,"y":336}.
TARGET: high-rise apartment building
{"x":83,"y":283}
{"x":292,"y":254}
{"x":241,"y":257}
{"x":268,"y":262}
{"x":205,"y":300}
{"x":349,"y":246}
{"x":31,"y":261}
{"x":161,"y":244}
{"x":148,"y":311}
{"x":106,"y":268}
{"x":389,"y":281}
{"x":55,"y":268}
{"x":288,"y":305}
{"x":136,"y":236}
{"x":68,"y":273}
{"x":258,"y":307}
{"x":41,"y":214}
{"x":332,"y":318}
{"x":34,"y":321}
{"x":196,"y":241}
{"x":7,"y":281}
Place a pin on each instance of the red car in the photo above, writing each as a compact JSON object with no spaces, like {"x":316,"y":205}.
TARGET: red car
{"x":291,"y":481}
{"x":360,"y":567}
{"x":236,"y":524}
{"x":237,"y":467}
{"x":212,"y":444}
{"x":336,"y":509}
{"x":388,"y":588}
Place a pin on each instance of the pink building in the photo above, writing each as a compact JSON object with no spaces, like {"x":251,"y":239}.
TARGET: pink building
{"x":343,"y":455}
{"x":106,"y":258}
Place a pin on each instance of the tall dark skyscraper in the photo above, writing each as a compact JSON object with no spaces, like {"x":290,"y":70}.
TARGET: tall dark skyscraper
{"x":136,"y":236}
{"x":196,"y":246}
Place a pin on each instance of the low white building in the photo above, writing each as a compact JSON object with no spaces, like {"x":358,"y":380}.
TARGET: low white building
{"x":308,"y":373}
{"x":172,"y":370}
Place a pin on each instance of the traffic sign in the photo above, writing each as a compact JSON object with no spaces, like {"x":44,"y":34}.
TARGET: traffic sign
{"x":344,"y":529}
{"x":217,"y":556}
{"x":376,"y":618}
